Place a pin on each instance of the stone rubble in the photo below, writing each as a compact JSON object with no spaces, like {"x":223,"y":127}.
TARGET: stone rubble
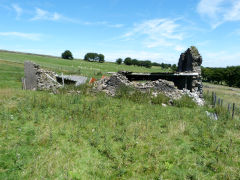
{"x":37,"y":78}
{"x":109,"y":85}
{"x":46,"y":80}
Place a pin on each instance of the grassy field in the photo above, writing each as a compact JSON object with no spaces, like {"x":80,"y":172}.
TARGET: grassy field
{"x":93,"y":69}
{"x":228,"y":94}
{"x":93,"y":136}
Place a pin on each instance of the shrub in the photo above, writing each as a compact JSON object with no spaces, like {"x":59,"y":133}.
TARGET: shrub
{"x":67,"y":55}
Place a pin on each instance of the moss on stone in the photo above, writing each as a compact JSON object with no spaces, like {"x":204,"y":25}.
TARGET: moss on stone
{"x":194,"y":51}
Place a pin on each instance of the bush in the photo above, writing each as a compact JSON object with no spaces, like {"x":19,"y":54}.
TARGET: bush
{"x":67,"y":55}
{"x":119,"y":61}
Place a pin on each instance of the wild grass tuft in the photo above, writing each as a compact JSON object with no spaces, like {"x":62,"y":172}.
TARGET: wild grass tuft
{"x":184,"y":101}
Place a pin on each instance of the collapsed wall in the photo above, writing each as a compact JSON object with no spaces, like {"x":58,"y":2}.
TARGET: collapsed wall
{"x":110,"y":85}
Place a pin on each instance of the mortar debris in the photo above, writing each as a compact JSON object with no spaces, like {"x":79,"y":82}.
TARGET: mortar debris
{"x":109,"y":85}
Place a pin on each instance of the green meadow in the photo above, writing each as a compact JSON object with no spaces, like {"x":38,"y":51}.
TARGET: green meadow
{"x":93,"y":136}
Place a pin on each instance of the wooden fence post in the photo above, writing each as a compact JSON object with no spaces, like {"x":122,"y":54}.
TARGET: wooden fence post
{"x":233,"y":109}
{"x":215,"y":100}
{"x":212,"y":98}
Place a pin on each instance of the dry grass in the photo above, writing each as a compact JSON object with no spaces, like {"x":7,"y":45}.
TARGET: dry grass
{"x":228,"y":94}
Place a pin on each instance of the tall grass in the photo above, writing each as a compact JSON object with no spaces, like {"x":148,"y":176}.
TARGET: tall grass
{"x":93,"y":136}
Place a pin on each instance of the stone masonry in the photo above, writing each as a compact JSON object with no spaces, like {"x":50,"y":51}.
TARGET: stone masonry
{"x":190,"y":61}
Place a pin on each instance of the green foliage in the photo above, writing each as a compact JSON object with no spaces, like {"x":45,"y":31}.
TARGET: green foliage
{"x":135,"y":62}
{"x":194,"y":51}
{"x":89,"y":136}
{"x":67,"y":55}
{"x":101,"y":58}
{"x":163,"y":65}
{"x":93,"y":136}
{"x":184,"y":101}
{"x":229,"y":75}
{"x":119,"y":61}
{"x":133,"y":94}
{"x":174,"y":67}
{"x":94,"y":57}
{"x":128,"y":61}
{"x":160,"y":99}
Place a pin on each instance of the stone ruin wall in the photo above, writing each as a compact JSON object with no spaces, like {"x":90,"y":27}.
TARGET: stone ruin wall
{"x":190,"y":61}
{"x":36,"y":78}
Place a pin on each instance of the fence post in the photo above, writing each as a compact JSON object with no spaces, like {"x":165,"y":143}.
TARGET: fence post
{"x":229,"y":106}
{"x":233,"y":109}
{"x":215,"y":100}
{"x":212,"y":98}
{"x":221,"y":102}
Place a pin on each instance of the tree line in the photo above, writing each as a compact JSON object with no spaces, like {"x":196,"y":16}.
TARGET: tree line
{"x":93,"y":57}
{"x":146,"y":63}
{"x":229,"y":75}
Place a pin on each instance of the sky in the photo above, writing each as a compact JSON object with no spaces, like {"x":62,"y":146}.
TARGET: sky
{"x":156,"y":30}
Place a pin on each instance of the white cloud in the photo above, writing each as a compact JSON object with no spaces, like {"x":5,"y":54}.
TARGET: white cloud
{"x":219,"y":11}
{"x":41,"y":14}
{"x":103,"y":23}
{"x":18,"y":10}
{"x":29,"y":36}
{"x":234,"y":13}
{"x":157,"y":33}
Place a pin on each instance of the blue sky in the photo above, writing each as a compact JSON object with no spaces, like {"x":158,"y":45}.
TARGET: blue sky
{"x":158,"y":30}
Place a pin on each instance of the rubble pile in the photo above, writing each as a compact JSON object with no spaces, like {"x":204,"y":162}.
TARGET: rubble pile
{"x":46,"y":80}
{"x":160,"y":86}
{"x":109,"y":85}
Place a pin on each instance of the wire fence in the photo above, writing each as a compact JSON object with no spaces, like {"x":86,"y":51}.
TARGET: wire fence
{"x":232,"y":109}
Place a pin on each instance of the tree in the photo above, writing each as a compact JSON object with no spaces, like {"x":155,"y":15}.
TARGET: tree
{"x":94,"y":57}
{"x":67,"y":55}
{"x":101,"y":58}
{"x":119,"y":61}
{"x":147,"y":64}
{"x":174,"y":68}
{"x":135,"y":62}
{"x":128,"y":61}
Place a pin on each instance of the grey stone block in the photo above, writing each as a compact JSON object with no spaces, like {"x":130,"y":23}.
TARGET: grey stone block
{"x":30,"y":76}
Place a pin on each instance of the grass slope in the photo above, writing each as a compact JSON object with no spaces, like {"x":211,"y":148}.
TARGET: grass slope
{"x":93,"y":136}
{"x":90,"y":69}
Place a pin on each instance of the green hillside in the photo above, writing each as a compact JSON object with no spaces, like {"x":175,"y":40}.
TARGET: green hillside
{"x":93,"y":136}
